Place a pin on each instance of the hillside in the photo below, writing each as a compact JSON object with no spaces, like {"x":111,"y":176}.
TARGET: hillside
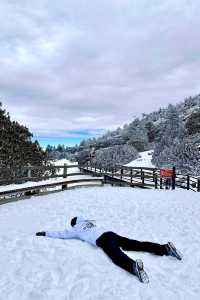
{"x":43,"y":268}
{"x":172,"y":132}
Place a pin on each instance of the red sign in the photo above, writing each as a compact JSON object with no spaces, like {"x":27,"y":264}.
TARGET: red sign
{"x":166,"y":173}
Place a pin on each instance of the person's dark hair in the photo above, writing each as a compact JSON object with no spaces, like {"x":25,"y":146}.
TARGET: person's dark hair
{"x":73,"y":221}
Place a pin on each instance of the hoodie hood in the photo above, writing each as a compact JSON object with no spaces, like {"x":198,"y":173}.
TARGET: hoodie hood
{"x":82,"y":219}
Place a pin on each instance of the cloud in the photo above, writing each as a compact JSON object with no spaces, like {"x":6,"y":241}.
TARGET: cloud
{"x":93,"y":65}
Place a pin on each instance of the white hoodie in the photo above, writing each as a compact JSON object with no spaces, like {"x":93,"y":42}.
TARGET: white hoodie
{"x":84,"y":230}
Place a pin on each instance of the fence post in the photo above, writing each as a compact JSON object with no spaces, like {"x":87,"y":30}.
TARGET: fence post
{"x":154,"y":175}
{"x":141,"y":173}
{"x":64,"y":186}
{"x":112,"y":171}
{"x":156,"y":181}
{"x":161,"y":183}
{"x":174,"y":178}
{"x":142,"y":177}
{"x":166,"y":184}
{"x":65,"y":171}
{"x":198,"y":185}
{"x":131,"y":175}
{"x":29,"y":173}
{"x":188,"y":182}
{"x":121,"y":174}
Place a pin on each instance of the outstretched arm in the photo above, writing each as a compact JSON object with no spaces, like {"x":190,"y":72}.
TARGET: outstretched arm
{"x":57,"y":234}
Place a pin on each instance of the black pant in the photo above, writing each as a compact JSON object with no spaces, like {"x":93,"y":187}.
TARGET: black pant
{"x":111,"y":243}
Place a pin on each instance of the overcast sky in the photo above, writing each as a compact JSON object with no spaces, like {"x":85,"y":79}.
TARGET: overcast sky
{"x":75,"y":68}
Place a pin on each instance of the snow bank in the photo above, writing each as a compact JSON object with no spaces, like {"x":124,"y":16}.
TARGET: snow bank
{"x":43,"y":268}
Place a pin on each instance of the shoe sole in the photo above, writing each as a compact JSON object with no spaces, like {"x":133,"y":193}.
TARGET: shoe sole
{"x":141,"y":274}
{"x":177,"y":254}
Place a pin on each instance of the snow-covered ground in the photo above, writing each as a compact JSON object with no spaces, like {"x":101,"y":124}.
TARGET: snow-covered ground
{"x":40,"y":268}
{"x":144,"y":160}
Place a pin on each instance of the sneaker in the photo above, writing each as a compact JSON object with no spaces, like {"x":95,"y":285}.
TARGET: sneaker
{"x":139,"y":271}
{"x":172,"y":251}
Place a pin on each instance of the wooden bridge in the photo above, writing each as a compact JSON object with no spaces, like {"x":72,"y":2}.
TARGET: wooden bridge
{"x":144,"y":177}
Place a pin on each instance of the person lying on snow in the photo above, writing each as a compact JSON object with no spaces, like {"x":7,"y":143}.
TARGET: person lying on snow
{"x":86,"y":230}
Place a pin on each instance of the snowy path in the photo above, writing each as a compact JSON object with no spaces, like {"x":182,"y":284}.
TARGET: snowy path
{"x":41,"y":268}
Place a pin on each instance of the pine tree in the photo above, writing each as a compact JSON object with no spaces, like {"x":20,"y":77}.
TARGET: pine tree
{"x":185,"y":156}
{"x":193,"y":123}
{"x":151,"y":131}
{"x":171,"y":131}
{"x":116,"y":155}
{"x":16,"y":148}
{"x":136,"y":134}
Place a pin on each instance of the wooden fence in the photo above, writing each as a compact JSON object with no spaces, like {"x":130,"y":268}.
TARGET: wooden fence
{"x":26,"y":173}
{"x":30,"y":185}
{"x":144,"y":177}
{"x":120,"y":175}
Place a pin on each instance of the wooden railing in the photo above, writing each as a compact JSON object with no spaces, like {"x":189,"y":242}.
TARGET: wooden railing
{"x":26,"y":173}
{"x":120,"y":175}
{"x":37,"y":185}
{"x":188,"y":182}
{"x":145,"y":177}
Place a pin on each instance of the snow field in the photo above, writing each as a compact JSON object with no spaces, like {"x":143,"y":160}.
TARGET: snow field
{"x":43,"y":268}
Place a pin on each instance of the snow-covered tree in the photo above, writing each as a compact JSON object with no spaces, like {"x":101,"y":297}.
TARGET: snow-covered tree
{"x":184,"y":156}
{"x":136,"y":134}
{"x":193,"y":123}
{"x":115,"y":155}
{"x":151,"y":131}
{"x":171,"y":131}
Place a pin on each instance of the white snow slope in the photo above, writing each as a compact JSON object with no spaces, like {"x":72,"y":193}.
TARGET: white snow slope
{"x":144,"y":160}
{"x":43,"y":268}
